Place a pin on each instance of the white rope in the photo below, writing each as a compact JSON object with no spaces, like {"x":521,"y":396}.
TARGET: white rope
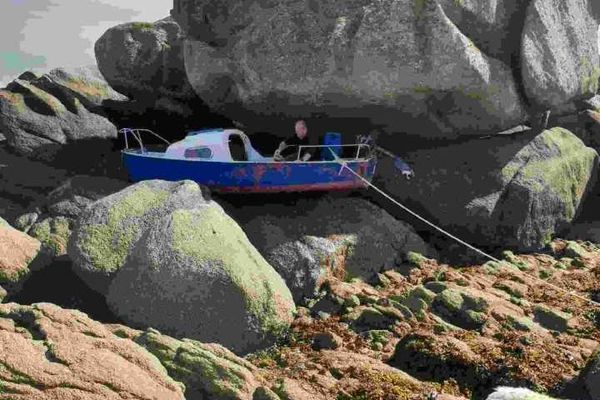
{"x":396,"y":202}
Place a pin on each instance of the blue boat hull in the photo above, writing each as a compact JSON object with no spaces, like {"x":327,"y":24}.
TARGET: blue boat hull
{"x":258,"y":177}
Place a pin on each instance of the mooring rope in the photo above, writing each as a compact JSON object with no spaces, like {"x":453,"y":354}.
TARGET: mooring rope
{"x":490,"y":257}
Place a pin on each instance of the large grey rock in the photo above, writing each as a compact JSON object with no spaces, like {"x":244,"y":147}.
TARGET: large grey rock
{"x":502,"y":192}
{"x":380,"y":60}
{"x":494,"y":26}
{"x":84,"y":83}
{"x":39,"y":117}
{"x":166,"y":256}
{"x":195,"y":274}
{"x":373,"y":239}
{"x":306,"y":262}
{"x":108,"y":230}
{"x":560,"y":60}
{"x":144,"y":60}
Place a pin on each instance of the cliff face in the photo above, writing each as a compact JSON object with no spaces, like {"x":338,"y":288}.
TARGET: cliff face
{"x":444,"y":68}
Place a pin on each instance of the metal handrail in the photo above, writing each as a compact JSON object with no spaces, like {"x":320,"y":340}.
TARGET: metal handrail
{"x":329,"y":146}
{"x":136,"y":133}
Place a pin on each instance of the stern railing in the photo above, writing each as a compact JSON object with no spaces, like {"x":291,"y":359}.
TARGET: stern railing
{"x":137,"y":135}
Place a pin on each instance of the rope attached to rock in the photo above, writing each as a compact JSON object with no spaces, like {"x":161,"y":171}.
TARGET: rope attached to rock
{"x":486,"y":255}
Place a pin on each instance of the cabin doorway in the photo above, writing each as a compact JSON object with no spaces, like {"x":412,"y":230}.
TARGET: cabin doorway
{"x":237,"y":148}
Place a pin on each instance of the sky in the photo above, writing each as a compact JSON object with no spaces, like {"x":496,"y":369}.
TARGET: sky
{"x":43,"y":34}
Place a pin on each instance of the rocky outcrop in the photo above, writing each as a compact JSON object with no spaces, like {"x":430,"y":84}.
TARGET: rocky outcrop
{"x":41,"y":115}
{"x":506,"y":192}
{"x":18,"y":256}
{"x":145,"y":60}
{"x":590,"y":376}
{"x":206,"y":370}
{"x":368,"y":239}
{"x":167,"y":257}
{"x":376,"y":60}
{"x":305,"y":263}
{"x":52,"y":219}
{"x":106,"y":234}
{"x":560,"y":52}
{"x":63,"y":354}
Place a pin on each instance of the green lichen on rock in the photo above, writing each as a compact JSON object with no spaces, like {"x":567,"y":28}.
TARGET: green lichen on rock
{"x":460,"y":308}
{"x":142,"y":26}
{"x":206,"y":370}
{"x":52,"y":102}
{"x":419,"y":7}
{"x":415,"y":259}
{"x":574,"y":250}
{"x":15,"y":100}
{"x":552,"y":319}
{"x":565,"y":171}
{"x":521,"y":323}
{"x":211,"y":236}
{"x":94,"y":90}
{"x":53,"y":233}
{"x":107,"y":245}
{"x":451,"y":300}
{"x":511,"y":258}
{"x":590,"y":78}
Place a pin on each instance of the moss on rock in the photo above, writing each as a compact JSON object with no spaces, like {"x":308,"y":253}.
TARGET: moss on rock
{"x":565,"y":170}
{"x":209,"y":236}
{"x":53,"y":233}
{"x":107,"y":245}
{"x":206,"y":370}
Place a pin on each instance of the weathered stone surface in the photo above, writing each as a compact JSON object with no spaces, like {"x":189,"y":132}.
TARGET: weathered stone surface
{"x":62,"y":354}
{"x":18,"y":254}
{"x":326,"y":340}
{"x":207,"y":370}
{"x":83,"y":83}
{"x":195,"y":274}
{"x":493,"y":26}
{"x":144,"y":60}
{"x":552,"y":319}
{"x":460,"y":309}
{"x":40,"y":116}
{"x":508,"y":193}
{"x":107,"y":232}
{"x":360,"y":59}
{"x":168,"y":257}
{"x":560,"y":61}
{"x":305,"y":263}
{"x":378,"y":240}
{"x":417,"y":355}
{"x":54,"y":234}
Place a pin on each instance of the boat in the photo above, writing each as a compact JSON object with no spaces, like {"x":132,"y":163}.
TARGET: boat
{"x":225,"y":161}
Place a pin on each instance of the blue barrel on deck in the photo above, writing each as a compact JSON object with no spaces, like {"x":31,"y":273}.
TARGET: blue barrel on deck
{"x":332,"y":139}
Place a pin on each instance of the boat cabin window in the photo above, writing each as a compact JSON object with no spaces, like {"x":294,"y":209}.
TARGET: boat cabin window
{"x":198,"y":152}
{"x":237,"y":148}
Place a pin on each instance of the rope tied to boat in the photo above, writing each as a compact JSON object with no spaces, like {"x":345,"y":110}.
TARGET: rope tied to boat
{"x":457,"y":239}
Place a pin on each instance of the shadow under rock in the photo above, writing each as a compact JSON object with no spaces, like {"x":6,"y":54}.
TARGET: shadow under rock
{"x":59,"y":285}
